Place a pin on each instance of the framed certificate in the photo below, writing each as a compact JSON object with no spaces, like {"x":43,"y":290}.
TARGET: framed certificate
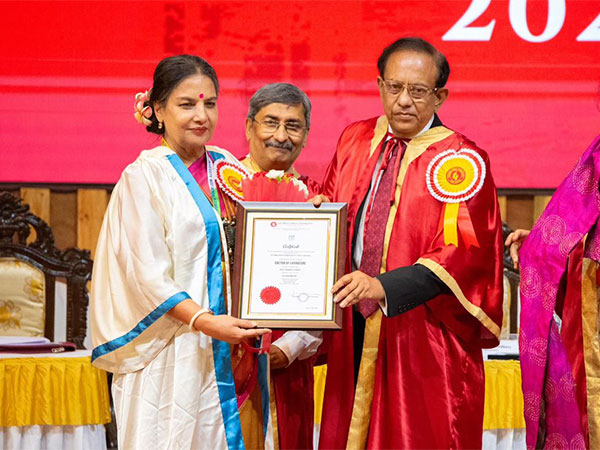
{"x":287,"y":258}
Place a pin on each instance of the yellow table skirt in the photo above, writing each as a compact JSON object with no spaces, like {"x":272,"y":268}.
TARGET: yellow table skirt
{"x":52,"y":391}
{"x":503,"y":396}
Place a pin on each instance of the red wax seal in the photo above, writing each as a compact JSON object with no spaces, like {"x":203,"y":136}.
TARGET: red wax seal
{"x":270,"y":295}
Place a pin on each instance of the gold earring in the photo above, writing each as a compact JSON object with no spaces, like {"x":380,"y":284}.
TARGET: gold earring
{"x":160,"y":125}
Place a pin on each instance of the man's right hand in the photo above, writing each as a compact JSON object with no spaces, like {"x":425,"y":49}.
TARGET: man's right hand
{"x":515,"y":240}
{"x":318,"y":199}
{"x":227,"y":328}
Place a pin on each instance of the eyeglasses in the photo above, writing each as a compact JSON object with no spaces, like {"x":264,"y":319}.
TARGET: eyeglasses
{"x":416,"y":91}
{"x":271,"y":126}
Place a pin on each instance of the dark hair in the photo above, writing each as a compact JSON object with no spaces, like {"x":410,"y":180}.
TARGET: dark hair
{"x":285,"y":93}
{"x":418,"y":45}
{"x":169,"y":73}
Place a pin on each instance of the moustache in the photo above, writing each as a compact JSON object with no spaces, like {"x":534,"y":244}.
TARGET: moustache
{"x":287,"y":145}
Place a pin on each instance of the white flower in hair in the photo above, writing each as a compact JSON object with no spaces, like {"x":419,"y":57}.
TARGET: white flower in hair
{"x":143,"y":112}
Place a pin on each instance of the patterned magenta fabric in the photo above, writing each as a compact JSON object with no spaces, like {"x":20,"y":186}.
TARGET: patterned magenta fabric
{"x":198,"y":169}
{"x":548,"y":383}
{"x":378,"y":218}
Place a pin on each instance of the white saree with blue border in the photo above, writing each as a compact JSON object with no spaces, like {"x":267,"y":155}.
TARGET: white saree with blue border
{"x":160,"y":243}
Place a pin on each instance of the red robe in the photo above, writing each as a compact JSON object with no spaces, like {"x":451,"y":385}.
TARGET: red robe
{"x":293,"y":386}
{"x":421,"y":380}
{"x":294,"y":399}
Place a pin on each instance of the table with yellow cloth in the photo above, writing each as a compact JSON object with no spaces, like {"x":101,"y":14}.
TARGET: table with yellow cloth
{"x":52,"y":401}
{"x":503,"y":422}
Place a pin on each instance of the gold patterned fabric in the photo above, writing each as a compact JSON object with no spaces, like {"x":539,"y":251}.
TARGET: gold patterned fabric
{"x":52,"y":391}
{"x":22,"y":299}
{"x":363,"y":397}
{"x":505,"y":330}
{"x":590,"y":324}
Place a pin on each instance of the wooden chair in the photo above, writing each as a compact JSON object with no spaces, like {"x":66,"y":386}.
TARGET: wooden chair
{"x":40,"y":254}
{"x":42,"y":257}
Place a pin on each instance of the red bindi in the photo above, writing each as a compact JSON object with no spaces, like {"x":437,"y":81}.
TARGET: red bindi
{"x":201,"y":96}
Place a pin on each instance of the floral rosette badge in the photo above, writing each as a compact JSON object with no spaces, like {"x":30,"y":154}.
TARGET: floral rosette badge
{"x":229,"y":177}
{"x":453,"y":177}
{"x":272,"y":186}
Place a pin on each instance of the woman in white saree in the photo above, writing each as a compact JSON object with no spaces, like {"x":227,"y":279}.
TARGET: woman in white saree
{"x":158,"y":311}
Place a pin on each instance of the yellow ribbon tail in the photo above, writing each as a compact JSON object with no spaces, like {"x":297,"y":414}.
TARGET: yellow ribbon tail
{"x":451,"y":224}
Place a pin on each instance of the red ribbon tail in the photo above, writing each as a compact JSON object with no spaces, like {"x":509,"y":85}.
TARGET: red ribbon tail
{"x":265,"y":343}
{"x":263,"y":347}
{"x":465,"y":227}
{"x":249,"y":348}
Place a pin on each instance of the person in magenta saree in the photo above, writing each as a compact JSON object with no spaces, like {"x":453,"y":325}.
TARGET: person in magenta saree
{"x":559,"y":274}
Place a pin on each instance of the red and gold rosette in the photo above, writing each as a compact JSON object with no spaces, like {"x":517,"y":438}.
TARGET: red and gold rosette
{"x":229,"y":177}
{"x":453,"y":177}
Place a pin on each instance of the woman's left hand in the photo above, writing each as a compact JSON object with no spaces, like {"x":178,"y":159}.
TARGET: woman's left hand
{"x":229,"y":329}
{"x":357,"y":286}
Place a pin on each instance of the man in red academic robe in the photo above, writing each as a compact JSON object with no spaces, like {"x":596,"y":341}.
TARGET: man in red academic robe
{"x":424,"y":269}
{"x":277,"y":129}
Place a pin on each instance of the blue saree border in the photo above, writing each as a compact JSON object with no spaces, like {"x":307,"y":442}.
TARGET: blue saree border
{"x":216,"y":301}
{"x":263,"y":383}
{"x":142,"y":325}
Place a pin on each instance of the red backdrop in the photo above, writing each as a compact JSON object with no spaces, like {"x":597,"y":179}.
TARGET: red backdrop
{"x":523,"y":85}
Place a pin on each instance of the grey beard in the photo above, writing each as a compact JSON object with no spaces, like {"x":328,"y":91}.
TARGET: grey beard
{"x":287,"y":145}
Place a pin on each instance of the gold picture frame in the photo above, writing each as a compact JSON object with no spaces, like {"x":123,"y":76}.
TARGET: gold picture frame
{"x":287,"y":257}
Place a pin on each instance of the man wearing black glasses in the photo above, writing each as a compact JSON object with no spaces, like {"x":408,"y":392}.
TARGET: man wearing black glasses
{"x":424,"y":273}
{"x":277,"y":129}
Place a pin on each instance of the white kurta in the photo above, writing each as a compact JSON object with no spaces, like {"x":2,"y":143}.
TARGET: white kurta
{"x":172,"y":388}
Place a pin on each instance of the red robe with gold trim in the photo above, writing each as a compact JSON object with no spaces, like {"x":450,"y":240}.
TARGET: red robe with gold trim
{"x":293,"y":386}
{"x":421,"y":380}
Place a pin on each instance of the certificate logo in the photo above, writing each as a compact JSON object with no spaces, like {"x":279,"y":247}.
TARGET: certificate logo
{"x":273,"y":224}
{"x":270,"y":295}
{"x":303,"y":297}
